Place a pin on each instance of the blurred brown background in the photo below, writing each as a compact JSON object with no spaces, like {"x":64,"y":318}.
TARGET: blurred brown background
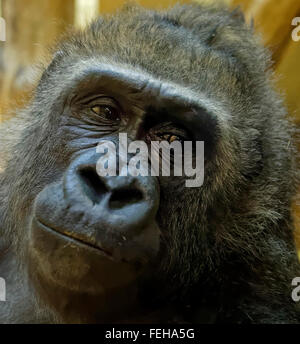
{"x":33,"y":25}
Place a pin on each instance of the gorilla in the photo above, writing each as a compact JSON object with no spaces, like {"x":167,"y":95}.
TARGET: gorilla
{"x":77,"y":247}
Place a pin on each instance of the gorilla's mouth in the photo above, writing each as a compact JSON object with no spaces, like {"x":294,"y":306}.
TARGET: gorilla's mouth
{"x":72,"y":239}
{"x":137,"y":251}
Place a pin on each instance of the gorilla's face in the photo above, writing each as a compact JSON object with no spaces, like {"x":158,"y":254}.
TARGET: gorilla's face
{"x":133,"y":247}
{"x":96,"y":240}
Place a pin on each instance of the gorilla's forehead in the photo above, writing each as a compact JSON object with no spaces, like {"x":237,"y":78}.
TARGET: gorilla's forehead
{"x":165,"y":56}
{"x":176,"y":53}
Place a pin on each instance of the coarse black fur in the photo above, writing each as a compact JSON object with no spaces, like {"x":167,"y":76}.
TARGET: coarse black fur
{"x":228,"y":252}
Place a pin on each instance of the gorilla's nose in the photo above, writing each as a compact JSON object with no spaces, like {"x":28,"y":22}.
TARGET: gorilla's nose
{"x":122,"y":192}
{"x":115,"y":213}
{"x":126,"y":202}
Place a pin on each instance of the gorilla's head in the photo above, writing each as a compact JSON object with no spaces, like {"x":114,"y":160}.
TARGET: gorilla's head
{"x":112,"y":248}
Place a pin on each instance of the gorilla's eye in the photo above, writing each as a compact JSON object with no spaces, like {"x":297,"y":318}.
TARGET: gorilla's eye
{"x":107,"y":112}
{"x":171,"y":138}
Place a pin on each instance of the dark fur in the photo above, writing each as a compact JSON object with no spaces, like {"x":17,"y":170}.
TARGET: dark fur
{"x":229,"y":249}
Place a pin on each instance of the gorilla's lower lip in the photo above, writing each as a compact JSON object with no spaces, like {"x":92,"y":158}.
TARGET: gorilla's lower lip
{"x":71,"y":238}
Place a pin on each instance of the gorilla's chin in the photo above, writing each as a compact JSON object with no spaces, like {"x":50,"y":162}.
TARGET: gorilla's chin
{"x":92,"y":284}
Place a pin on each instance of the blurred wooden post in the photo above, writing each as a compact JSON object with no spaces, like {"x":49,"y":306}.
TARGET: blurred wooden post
{"x":85,"y":11}
{"x":31,"y":26}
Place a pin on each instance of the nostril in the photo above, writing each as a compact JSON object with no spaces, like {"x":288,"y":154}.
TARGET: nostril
{"x":92,"y":184}
{"x":123,"y":197}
